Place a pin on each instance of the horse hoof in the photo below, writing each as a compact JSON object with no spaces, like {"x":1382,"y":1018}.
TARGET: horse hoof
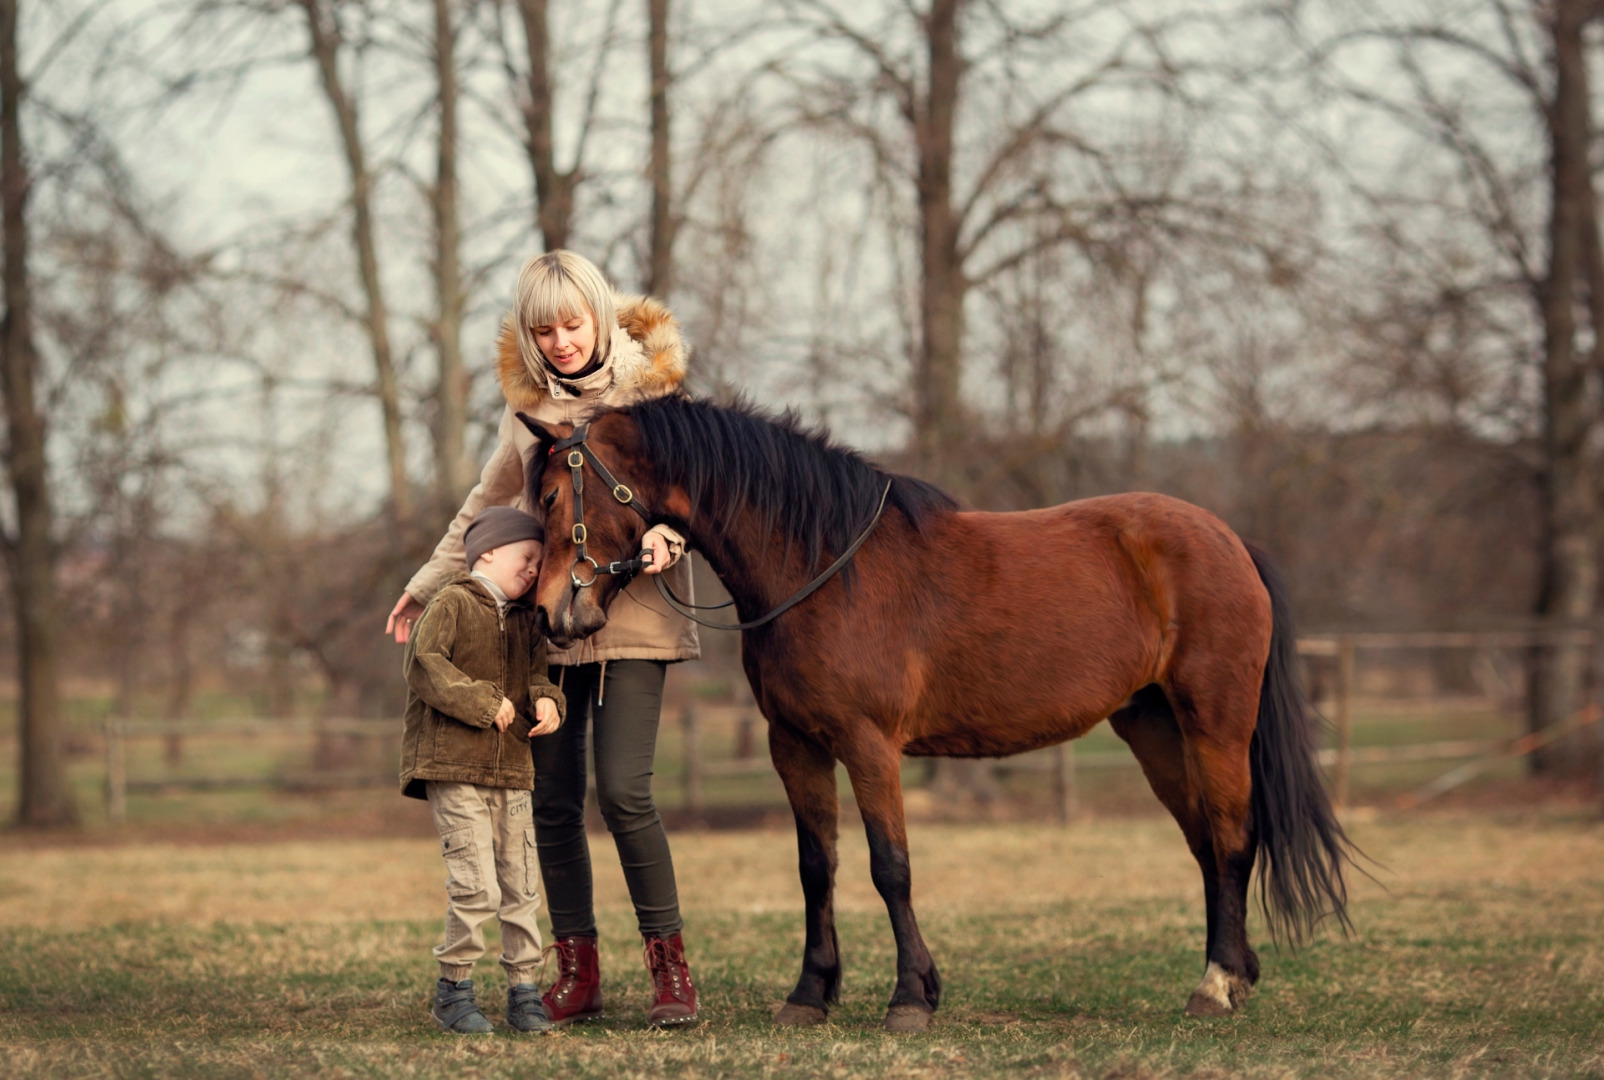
{"x":907,"y":1019}
{"x":1200,"y":1004}
{"x":1219,"y":994}
{"x":792,"y":1015}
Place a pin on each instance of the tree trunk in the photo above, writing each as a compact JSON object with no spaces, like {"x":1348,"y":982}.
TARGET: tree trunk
{"x":938,"y":413}
{"x":44,"y":796}
{"x":1569,"y":572}
{"x":554,"y":189}
{"x":453,"y":473}
{"x":660,"y":271}
{"x":326,"y":43}
{"x":938,"y":372}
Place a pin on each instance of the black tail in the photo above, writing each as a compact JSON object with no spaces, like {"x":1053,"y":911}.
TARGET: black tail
{"x":1302,"y":849}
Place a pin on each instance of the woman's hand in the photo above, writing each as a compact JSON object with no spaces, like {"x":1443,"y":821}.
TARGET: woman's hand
{"x":657,"y":545}
{"x":402,"y":616}
{"x":547,"y":718}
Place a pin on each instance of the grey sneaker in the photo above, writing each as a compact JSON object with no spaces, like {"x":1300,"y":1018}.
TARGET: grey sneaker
{"x":454,"y":1008}
{"x":524,"y":1010}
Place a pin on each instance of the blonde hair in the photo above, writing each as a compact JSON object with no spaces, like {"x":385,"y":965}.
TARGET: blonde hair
{"x":556,"y":286}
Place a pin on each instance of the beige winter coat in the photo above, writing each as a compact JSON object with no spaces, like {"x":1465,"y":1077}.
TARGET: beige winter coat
{"x":646,"y":360}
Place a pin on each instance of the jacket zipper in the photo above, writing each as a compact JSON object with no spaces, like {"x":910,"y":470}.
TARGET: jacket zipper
{"x":495,"y":760}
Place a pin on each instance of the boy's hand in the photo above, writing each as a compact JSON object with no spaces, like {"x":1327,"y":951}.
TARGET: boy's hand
{"x":547,"y":718}
{"x":505,"y":715}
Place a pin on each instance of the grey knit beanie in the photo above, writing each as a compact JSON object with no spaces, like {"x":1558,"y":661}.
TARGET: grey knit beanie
{"x":499,"y":525}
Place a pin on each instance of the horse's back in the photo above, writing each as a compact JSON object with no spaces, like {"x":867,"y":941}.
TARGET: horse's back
{"x":1062,"y":613}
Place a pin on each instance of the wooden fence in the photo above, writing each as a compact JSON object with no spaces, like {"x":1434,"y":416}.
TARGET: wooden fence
{"x":119,"y":732}
{"x":1063,"y":762}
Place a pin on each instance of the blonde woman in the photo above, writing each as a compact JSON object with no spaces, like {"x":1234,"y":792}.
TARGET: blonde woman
{"x":569,"y":346}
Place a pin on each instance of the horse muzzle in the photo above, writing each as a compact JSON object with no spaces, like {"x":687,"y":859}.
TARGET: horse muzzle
{"x":574,"y":617}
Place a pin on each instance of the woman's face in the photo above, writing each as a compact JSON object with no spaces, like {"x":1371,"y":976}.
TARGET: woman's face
{"x":568,"y":345}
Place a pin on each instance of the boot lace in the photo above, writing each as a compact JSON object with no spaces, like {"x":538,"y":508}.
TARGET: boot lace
{"x":668,"y":968}
{"x":567,"y":967}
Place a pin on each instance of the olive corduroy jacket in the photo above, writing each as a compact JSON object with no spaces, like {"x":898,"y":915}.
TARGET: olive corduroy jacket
{"x":462,"y":659}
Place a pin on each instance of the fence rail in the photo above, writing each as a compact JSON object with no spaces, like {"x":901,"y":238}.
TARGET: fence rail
{"x":1063,"y":762}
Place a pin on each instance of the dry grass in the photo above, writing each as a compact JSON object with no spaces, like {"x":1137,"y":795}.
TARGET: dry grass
{"x":1066,"y":952}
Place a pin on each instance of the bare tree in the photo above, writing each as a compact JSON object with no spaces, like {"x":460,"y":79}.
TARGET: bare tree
{"x":992,"y":149}
{"x":44,"y":797}
{"x":453,"y":472}
{"x":555,"y":186}
{"x":327,"y":42}
{"x":660,"y":258}
{"x":1538,"y":57}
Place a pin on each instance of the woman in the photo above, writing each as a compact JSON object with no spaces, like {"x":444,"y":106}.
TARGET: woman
{"x":557,"y":364}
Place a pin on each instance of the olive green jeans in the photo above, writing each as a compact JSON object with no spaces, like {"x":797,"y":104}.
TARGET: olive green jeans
{"x":623,"y":724}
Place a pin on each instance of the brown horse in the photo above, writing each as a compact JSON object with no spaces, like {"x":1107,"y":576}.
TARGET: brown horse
{"x":967,"y":635}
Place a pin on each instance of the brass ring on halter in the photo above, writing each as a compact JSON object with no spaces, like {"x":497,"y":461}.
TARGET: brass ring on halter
{"x":573,"y":572}
{"x":623,"y":494}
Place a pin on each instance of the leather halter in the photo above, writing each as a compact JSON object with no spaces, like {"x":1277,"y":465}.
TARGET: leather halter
{"x":579,"y":452}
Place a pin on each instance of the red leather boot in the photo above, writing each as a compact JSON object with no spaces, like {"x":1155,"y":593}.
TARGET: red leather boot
{"x":674,"y":995}
{"x":576,"y":995}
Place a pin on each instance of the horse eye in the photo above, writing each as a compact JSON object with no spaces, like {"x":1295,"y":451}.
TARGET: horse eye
{"x":551,"y":497}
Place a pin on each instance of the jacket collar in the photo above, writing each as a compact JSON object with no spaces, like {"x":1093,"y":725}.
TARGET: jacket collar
{"x":477,"y":588}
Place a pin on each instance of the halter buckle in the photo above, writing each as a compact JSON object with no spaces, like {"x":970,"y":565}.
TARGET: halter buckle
{"x":623,"y":494}
{"x":581,"y":535}
{"x":575,"y":459}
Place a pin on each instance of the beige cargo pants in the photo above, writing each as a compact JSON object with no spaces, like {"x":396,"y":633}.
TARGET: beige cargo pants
{"x":487,"y":836}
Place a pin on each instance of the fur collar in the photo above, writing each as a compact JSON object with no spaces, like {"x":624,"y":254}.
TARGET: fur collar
{"x":647,"y":360}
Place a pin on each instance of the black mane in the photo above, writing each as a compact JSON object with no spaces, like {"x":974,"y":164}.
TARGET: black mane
{"x":817,"y":494}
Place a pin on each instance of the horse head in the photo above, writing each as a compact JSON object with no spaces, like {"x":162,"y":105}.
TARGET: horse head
{"x":575,"y":588}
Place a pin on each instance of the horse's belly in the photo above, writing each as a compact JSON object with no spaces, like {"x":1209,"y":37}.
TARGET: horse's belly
{"x":980,"y":740}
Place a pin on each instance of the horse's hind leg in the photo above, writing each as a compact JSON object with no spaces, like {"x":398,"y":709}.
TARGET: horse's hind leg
{"x":875,"y":767}
{"x":1216,"y":714}
{"x":1148,"y":724}
{"x":808,"y":771}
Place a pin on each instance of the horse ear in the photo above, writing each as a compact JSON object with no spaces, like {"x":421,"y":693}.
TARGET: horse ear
{"x":535,"y":461}
{"x":536,"y":428}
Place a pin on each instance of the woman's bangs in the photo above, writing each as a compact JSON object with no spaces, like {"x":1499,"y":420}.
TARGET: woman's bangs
{"x":554,"y":300}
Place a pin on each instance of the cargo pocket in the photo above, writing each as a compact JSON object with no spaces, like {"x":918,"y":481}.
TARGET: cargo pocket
{"x":531,"y":863}
{"x":462,"y":863}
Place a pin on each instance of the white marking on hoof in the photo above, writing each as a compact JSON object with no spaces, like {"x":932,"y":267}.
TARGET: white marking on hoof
{"x":1219,"y":994}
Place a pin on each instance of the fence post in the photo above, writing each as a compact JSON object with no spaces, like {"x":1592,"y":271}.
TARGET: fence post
{"x":693,"y":759}
{"x":116,"y":772}
{"x":1344,"y":715}
{"x":1066,"y":786}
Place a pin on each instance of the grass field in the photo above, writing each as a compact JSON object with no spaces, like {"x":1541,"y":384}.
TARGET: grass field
{"x":1065,"y":951}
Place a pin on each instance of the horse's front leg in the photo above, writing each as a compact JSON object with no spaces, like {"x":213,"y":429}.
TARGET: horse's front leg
{"x":875,"y":766}
{"x":808,"y":771}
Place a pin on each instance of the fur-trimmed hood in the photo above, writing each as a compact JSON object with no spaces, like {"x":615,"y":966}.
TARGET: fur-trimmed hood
{"x":646,"y":359}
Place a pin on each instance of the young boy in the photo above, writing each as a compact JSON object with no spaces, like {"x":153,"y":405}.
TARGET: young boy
{"x":477,"y":691}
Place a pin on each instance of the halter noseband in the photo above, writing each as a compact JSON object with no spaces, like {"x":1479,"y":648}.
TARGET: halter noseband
{"x":579,"y":452}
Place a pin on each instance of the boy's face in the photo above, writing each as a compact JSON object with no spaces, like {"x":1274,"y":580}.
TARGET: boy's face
{"x":513,"y":567}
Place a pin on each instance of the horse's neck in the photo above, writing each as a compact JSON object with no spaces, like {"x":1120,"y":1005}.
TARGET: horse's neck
{"x":755,"y":564}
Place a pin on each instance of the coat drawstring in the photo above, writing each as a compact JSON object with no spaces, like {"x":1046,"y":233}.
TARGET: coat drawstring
{"x":601,"y":684}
